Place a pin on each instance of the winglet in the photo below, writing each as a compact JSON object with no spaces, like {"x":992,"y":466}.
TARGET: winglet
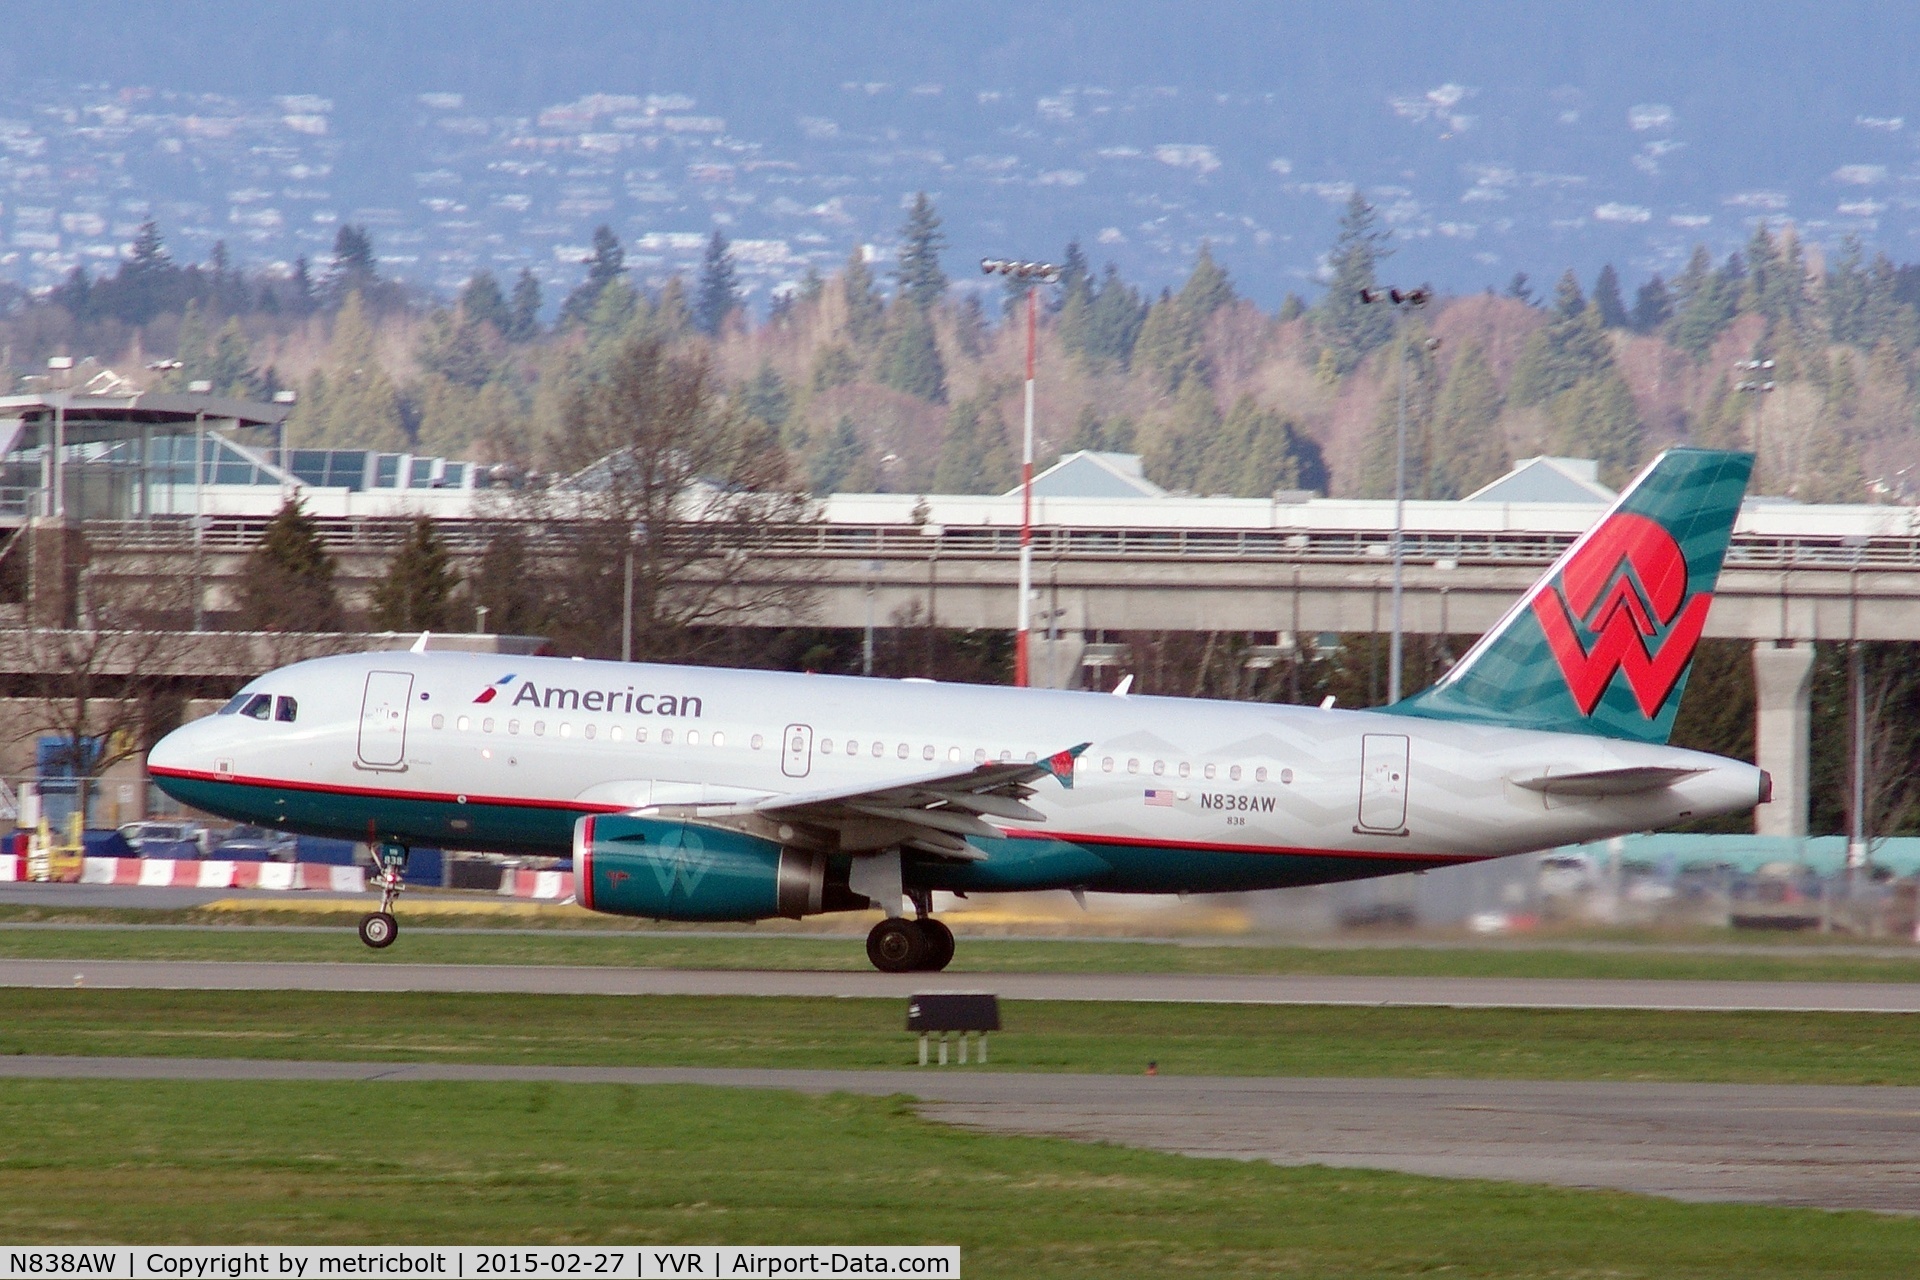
{"x":1126,"y":683}
{"x":1060,"y":764}
{"x":420,"y":645}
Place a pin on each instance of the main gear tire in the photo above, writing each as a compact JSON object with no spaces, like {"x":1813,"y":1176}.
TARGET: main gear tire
{"x":939,"y":940}
{"x":897,"y":946}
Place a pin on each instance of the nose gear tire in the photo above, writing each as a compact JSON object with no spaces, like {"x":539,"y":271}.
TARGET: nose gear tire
{"x":379,"y":929}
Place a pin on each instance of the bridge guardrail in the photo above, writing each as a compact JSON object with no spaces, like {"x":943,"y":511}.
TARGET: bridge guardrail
{"x":235,"y":535}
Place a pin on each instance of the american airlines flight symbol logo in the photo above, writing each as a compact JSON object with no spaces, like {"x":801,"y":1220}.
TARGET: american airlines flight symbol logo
{"x":491,"y":691}
{"x":1626,"y":587}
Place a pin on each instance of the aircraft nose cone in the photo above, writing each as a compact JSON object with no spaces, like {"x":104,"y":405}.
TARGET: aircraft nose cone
{"x":171,"y":752}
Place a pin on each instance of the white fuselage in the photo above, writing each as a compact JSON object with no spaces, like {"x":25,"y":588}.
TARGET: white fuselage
{"x":1171,"y":794}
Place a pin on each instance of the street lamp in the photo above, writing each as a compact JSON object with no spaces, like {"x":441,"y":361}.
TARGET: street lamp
{"x":1402,"y":301}
{"x":1758,"y":382}
{"x":1035,"y":274}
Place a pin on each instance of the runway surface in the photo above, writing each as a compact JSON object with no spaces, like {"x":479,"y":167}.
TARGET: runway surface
{"x":1832,"y":1147}
{"x":1464,"y":993}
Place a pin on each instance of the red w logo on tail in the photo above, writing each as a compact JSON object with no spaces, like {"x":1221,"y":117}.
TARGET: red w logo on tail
{"x":1625,"y":583}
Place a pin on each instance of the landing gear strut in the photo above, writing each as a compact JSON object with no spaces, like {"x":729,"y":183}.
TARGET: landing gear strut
{"x":379,"y":928}
{"x":898,"y":945}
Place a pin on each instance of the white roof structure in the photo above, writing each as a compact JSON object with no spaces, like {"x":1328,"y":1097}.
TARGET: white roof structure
{"x":1086,"y":474}
{"x":1545,"y":479}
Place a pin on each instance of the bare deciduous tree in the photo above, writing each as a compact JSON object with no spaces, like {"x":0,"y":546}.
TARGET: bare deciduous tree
{"x":660,"y":467}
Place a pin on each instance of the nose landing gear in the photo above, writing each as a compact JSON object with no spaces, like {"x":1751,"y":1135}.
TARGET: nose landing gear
{"x":379,"y":928}
{"x":923,"y":944}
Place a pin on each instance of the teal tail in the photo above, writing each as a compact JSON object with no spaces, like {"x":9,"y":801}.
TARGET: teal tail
{"x":1604,"y":642}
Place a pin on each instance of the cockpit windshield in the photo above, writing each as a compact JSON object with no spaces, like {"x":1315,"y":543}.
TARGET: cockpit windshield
{"x":262,"y":706}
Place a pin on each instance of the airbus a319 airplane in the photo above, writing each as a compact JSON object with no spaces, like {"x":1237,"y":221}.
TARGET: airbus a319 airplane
{"x":693,"y":793}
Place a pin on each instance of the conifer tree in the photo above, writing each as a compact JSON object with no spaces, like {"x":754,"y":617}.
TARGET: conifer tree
{"x":287,"y":581}
{"x":350,"y":402}
{"x":1076,"y":302}
{"x":842,"y":464}
{"x":1346,"y":326}
{"x":1114,"y":323}
{"x":481,"y":302}
{"x":1652,"y":306}
{"x":922,"y":282}
{"x":523,"y":310}
{"x":1469,"y":448}
{"x":452,"y":347}
{"x":1207,"y":288}
{"x":974,"y":457}
{"x":866,"y":313}
{"x":1379,"y":462}
{"x":1169,"y":343}
{"x":305,"y":299}
{"x":416,"y":594}
{"x":506,"y":585}
{"x":1571,"y":346}
{"x":229,"y":363}
{"x":910,"y":360}
{"x":719,"y":291}
{"x":1257,"y":452}
{"x":1076,"y":273}
{"x":1598,"y":419}
{"x":607,"y":264}
{"x":766,"y":397}
{"x":354,"y":269}
{"x":1606,"y":296}
{"x":1176,"y":453}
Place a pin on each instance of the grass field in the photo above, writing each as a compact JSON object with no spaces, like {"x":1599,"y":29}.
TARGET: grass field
{"x":537,"y":1163}
{"x":1782,"y":1048}
{"x":748,"y":950}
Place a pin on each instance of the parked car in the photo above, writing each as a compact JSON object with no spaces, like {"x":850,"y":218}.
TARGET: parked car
{"x":258,"y":844}
{"x":167,"y":839}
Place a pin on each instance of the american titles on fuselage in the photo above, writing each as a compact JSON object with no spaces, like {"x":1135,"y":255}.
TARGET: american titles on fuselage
{"x":625,"y":701}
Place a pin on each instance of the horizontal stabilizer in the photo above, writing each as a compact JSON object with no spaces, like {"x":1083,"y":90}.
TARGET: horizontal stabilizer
{"x":1628,"y":781}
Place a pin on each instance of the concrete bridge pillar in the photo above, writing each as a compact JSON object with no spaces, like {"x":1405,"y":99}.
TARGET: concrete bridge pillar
{"x":1056,"y":662}
{"x":1783,"y":732}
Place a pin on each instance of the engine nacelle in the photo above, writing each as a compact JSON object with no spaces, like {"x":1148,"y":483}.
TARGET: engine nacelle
{"x":670,"y":869}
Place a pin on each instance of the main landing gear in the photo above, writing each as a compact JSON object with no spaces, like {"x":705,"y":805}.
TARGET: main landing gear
{"x":379,"y":928}
{"x":923,"y":944}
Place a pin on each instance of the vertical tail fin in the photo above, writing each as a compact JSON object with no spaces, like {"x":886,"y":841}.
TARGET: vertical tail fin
{"x":1603,"y":643}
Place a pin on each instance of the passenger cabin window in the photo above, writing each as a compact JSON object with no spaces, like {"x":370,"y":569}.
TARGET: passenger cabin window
{"x":259,"y":707}
{"x":285,"y":710}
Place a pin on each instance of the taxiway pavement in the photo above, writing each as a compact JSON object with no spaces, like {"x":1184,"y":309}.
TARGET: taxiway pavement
{"x":379,"y":974}
{"x":1827,"y":1146}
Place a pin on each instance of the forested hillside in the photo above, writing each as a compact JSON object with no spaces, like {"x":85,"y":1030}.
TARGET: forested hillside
{"x":884,"y":376}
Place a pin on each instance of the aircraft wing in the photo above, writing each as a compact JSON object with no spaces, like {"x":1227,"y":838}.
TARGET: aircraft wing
{"x":1626,"y":781}
{"x":932,"y":813}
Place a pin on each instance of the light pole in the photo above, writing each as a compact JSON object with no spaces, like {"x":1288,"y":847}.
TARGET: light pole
{"x":1758,"y":382}
{"x":1035,"y":274}
{"x":1402,"y":301}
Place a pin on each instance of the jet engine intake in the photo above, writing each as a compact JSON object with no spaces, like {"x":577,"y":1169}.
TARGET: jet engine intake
{"x":669,"y":869}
